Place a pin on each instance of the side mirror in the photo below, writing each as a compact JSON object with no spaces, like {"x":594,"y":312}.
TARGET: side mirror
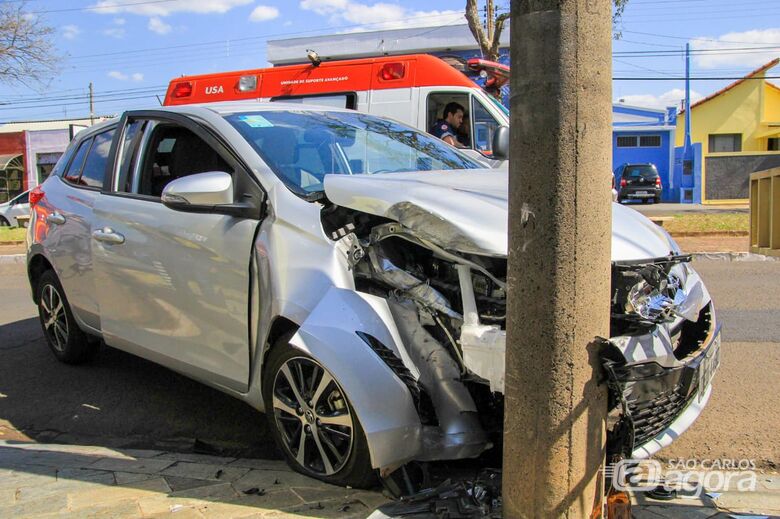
{"x":501,"y":143}
{"x":200,"y":193}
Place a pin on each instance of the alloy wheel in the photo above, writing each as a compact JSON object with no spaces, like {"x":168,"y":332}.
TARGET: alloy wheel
{"x":312,"y":416}
{"x":55,"y":322}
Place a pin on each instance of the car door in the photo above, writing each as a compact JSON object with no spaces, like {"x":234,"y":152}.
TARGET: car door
{"x":174,"y":286}
{"x":68,"y":218}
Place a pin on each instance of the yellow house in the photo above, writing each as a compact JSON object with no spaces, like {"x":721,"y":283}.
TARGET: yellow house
{"x":739,"y":131}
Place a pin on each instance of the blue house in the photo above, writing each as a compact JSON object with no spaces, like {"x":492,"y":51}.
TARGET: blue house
{"x":645,"y":135}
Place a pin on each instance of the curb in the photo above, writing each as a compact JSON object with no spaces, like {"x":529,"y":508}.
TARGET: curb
{"x":733,"y":256}
{"x":9,"y":259}
{"x":706,"y":234}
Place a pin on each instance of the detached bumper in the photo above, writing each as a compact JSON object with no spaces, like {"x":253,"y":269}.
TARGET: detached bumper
{"x":660,"y":402}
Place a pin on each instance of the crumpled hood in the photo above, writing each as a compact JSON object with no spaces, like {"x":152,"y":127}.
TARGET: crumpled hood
{"x":467,"y":210}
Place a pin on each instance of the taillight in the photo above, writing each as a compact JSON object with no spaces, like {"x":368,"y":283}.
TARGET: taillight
{"x":182,"y":90}
{"x":658,"y":181}
{"x":36,"y":195}
{"x":392,"y":71}
{"x":623,"y":182}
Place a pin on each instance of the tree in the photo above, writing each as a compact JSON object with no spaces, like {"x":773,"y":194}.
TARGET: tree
{"x":26,"y":51}
{"x":489,"y":37}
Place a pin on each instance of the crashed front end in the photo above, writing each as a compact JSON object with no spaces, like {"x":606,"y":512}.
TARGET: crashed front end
{"x":444,"y":284}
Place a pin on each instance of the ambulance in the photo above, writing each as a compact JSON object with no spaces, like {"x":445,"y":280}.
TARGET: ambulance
{"x":413,"y":89}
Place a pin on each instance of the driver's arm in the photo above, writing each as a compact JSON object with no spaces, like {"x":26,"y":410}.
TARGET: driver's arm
{"x":449,"y":139}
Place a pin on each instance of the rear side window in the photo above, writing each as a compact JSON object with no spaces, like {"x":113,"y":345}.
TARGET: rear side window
{"x":95,"y":166}
{"x":62,"y":162}
{"x":74,"y":169}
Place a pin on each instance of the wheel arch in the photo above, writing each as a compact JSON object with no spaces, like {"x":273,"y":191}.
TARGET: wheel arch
{"x":382,"y":403}
{"x":36,"y":266}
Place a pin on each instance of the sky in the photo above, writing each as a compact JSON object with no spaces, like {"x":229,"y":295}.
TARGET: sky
{"x":130,"y":49}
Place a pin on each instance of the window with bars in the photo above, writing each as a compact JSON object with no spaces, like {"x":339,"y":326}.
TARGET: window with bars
{"x":627,"y":141}
{"x":725,"y":142}
{"x":650,"y":141}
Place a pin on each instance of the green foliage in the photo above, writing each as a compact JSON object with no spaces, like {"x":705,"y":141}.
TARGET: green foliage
{"x":8,"y":234}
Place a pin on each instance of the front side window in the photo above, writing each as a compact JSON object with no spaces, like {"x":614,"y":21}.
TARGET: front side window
{"x":172,"y":151}
{"x":301,"y":147}
{"x":485,"y":125}
{"x":437,"y":104}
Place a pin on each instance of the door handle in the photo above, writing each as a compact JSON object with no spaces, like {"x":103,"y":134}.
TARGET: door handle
{"x":55,"y":218}
{"x":107,"y":235}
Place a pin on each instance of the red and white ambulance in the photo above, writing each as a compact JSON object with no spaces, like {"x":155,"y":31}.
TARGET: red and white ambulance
{"x":412,"y":89}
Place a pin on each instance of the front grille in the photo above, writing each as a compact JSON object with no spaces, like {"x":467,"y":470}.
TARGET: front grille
{"x":650,"y":417}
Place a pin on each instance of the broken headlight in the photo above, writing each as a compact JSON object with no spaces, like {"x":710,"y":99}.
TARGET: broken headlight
{"x":648,"y":291}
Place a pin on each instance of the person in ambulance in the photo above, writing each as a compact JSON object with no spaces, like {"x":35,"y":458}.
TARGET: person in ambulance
{"x":446,"y":128}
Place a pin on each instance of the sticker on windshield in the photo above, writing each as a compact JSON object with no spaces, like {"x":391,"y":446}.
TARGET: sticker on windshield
{"x":255,"y":121}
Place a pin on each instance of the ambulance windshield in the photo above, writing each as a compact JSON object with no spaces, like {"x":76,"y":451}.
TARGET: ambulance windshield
{"x":302,"y":146}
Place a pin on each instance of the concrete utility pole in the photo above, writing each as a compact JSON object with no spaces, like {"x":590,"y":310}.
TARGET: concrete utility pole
{"x":91,"y":104}
{"x":559,"y":256}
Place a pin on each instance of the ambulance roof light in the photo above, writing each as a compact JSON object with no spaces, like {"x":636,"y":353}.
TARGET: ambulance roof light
{"x":391,"y":71}
{"x":183,"y":89}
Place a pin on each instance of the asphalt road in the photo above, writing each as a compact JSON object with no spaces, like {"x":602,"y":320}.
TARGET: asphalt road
{"x":121,"y":400}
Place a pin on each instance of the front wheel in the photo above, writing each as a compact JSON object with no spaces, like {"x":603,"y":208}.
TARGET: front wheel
{"x":4,"y":222}
{"x":313,"y":421}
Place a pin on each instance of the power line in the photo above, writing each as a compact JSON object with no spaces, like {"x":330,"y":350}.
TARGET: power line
{"x":682,"y":78}
{"x":102,"y":7}
{"x":687,"y":38}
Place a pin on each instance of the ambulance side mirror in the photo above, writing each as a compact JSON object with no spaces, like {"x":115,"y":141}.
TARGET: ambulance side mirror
{"x":501,"y":143}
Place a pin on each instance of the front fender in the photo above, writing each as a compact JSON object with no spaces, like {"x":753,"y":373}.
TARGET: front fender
{"x":382,"y":402}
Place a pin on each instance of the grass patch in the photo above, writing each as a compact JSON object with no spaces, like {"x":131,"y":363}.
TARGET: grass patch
{"x":708,"y":222}
{"x":12,"y":234}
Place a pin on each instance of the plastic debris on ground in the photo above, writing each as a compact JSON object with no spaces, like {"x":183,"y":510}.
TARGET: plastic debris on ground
{"x":479,"y":497}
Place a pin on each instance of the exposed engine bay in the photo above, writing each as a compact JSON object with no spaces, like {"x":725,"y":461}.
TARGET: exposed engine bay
{"x":450,"y":309}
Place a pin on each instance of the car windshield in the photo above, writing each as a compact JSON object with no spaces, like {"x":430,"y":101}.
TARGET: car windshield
{"x":303,"y":146}
{"x":641,"y":171}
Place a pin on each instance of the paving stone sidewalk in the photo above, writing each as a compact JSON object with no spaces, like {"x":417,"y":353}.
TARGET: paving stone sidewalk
{"x":44,"y":480}
{"x":47,"y":480}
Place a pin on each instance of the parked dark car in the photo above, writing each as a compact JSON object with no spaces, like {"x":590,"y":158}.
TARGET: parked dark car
{"x":639,"y":182}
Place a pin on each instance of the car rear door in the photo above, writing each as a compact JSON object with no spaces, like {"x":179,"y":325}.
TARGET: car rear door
{"x":174,"y":286}
{"x":65,"y":221}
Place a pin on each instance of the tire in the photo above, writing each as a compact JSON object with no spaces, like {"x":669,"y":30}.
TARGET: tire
{"x":65,"y":339}
{"x":4,"y":222}
{"x":645,"y":200}
{"x":348,"y":460}
{"x":657,"y":200}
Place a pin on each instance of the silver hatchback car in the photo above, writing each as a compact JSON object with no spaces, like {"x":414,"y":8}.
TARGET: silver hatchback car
{"x":344,"y":273}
